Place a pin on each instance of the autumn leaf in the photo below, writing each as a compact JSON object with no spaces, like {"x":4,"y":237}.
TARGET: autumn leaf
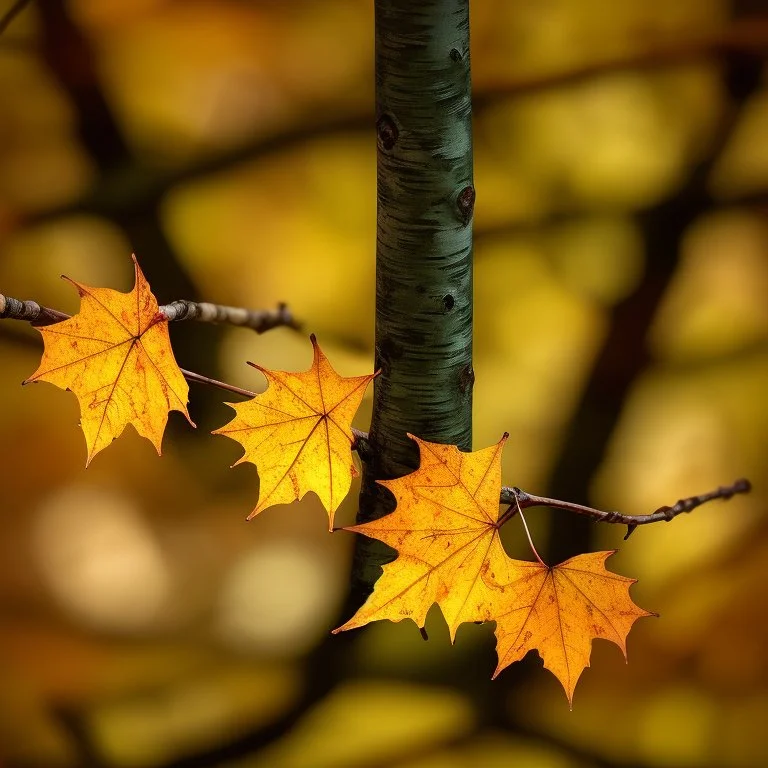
{"x":116,"y":356}
{"x":446,"y":531}
{"x":298,"y":433}
{"x":559,"y":610}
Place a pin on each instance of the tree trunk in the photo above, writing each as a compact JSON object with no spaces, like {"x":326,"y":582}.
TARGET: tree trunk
{"x":425,"y":201}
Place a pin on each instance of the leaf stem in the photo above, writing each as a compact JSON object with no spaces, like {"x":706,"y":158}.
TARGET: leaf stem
{"x":198,"y":378}
{"x":528,"y":534}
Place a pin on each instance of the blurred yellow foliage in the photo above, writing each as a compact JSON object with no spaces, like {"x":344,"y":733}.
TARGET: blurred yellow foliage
{"x":135,"y":600}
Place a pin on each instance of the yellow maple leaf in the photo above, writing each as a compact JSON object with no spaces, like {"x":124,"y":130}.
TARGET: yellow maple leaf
{"x":446,"y":531}
{"x":298,"y":433}
{"x":559,"y":610}
{"x":116,"y":356}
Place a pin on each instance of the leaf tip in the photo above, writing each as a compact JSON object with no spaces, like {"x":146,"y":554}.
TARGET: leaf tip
{"x":74,"y":284}
{"x":259,"y":369}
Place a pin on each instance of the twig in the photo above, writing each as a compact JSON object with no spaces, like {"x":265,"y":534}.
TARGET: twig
{"x":528,"y":535}
{"x":198,"y":378}
{"x":516,"y":499}
{"x":516,"y":495}
{"x":258,"y":320}
{"x":30,"y":311}
{"x":12,"y":13}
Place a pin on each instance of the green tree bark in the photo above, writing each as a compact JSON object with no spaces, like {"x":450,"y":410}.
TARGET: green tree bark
{"x":425,"y":198}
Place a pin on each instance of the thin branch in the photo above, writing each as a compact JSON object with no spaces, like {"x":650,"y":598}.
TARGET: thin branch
{"x":528,"y":535}
{"x":525,"y":500}
{"x":31,"y":311}
{"x":12,"y":13}
{"x":259,"y":320}
{"x":198,"y":378}
{"x":517,"y":499}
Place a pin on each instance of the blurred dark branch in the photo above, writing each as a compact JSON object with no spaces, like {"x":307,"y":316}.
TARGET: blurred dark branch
{"x":329,"y":663}
{"x":575,"y":754}
{"x":582,"y":755}
{"x":755,"y":200}
{"x":72,"y":61}
{"x":78,"y":731}
{"x":745,"y":36}
{"x":126,"y":187}
{"x":12,"y":13}
{"x":624,"y":355}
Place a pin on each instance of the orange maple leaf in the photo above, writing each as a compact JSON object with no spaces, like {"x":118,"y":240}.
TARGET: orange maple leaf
{"x":298,"y":433}
{"x":446,"y":531}
{"x":116,"y":356}
{"x":559,"y":610}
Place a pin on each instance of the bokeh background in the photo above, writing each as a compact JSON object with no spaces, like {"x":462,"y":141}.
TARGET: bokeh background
{"x":621,"y":338}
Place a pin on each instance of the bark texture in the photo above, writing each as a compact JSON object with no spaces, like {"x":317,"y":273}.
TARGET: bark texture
{"x":425,"y":198}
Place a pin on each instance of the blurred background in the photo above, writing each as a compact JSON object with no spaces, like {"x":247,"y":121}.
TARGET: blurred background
{"x":621,"y":338}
